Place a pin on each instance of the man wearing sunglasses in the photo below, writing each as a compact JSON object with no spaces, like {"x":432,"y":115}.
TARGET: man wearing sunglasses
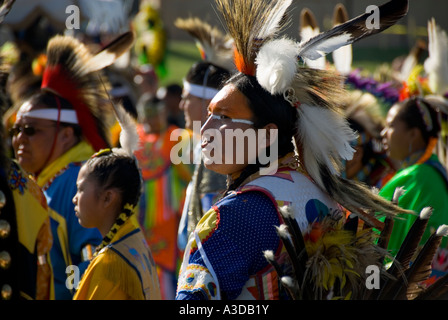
{"x":58,"y":128}
{"x":37,"y":141}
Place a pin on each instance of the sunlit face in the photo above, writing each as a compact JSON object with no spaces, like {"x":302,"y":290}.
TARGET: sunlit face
{"x":86,"y":200}
{"x":396,"y":135}
{"x":229,"y":112}
{"x":194,"y":108}
{"x":32,"y":147}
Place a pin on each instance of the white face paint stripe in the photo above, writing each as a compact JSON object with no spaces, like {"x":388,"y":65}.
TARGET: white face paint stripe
{"x":216,"y":117}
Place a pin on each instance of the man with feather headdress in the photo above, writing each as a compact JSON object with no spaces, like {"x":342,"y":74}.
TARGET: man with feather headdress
{"x":272,"y":91}
{"x":58,"y":128}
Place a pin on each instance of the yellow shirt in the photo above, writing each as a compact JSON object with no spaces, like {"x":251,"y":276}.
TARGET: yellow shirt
{"x":110,"y":277}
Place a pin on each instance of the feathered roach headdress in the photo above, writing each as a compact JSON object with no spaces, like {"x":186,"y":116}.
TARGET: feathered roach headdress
{"x":323,"y":133}
{"x":72,"y":73}
{"x":214,"y":46}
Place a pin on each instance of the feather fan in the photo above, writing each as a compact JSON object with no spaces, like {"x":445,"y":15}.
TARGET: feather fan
{"x":298,"y":254}
{"x":421,"y":267}
{"x":407,"y":250}
{"x":411,"y":241}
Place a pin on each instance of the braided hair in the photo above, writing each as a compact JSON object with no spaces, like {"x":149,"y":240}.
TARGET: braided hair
{"x":116,"y":169}
{"x":417,"y":112}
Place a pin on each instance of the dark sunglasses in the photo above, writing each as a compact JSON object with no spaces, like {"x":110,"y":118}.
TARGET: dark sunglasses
{"x":26,"y":129}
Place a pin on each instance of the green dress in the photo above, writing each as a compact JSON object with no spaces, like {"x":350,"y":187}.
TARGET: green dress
{"x":425,"y":185}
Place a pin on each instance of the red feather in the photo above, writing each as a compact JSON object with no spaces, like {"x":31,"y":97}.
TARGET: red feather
{"x":57,"y":80}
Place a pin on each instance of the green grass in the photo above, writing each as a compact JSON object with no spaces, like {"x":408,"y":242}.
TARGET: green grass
{"x":180,"y":57}
{"x":370,"y":58}
{"x":182,"y":54}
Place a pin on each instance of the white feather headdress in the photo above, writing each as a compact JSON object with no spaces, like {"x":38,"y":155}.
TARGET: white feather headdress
{"x":324,"y":135}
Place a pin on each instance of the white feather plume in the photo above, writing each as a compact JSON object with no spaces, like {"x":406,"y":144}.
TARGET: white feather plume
{"x":442,"y":231}
{"x":277,"y":65}
{"x":326,"y":137}
{"x":283,"y":231}
{"x":398,"y":192}
{"x":287,"y":211}
{"x":287,"y":281}
{"x":274,"y":23}
{"x":436,"y":65}
{"x":426,"y":213}
{"x":129,"y":139}
{"x":269,"y":255}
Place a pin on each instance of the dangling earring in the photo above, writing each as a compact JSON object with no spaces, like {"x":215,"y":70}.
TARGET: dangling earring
{"x":410,"y":148}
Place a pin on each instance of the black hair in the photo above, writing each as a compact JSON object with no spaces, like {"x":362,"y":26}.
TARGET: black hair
{"x":412,"y":111}
{"x":208,"y":74}
{"x":117,"y":170}
{"x":49,"y":99}
{"x":266,"y":109}
{"x":174,"y":89}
